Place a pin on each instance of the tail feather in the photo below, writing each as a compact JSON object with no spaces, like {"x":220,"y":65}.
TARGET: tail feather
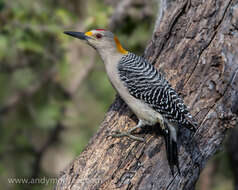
{"x":171,"y":151}
{"x":171,"y":141}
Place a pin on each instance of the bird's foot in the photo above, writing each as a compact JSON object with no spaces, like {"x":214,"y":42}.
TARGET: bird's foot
{"x":118,"y":134}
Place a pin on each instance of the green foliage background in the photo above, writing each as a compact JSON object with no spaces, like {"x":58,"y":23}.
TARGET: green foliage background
{"x":35,"y":103}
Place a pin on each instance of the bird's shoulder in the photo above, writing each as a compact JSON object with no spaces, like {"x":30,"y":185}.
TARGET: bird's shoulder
{"x":137,"y":73}
{"x":132,"y":60}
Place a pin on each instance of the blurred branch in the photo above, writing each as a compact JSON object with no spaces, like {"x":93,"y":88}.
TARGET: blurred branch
{"x":119,"y":14}
{"x":16,"y":98}
{"x":7,"y":68}
{"x":52,"y":139}
{"x":82,"y":75}
{"x":233,"y":154}
{"x":136,"y":9}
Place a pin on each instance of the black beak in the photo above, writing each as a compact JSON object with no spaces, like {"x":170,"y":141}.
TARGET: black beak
{"x":79,"y":35}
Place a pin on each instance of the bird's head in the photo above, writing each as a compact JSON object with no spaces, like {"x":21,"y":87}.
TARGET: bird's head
{"x":102,"y":40}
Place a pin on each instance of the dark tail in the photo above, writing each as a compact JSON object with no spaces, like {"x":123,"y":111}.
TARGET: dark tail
{"x":171,"y":151}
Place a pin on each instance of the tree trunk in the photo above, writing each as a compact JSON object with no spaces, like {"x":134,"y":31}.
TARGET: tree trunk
{"x":195,"y":44}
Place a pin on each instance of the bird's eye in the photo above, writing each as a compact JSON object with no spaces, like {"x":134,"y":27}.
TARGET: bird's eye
{"x":98,"y":36}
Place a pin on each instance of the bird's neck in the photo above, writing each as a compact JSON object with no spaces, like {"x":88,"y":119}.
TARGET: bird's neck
{"x":113,"y":53}
{"x":119,"y":47}
{"x":110,"y":57}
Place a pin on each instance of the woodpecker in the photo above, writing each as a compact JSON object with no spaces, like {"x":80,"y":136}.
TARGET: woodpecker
{"x":148,"y":94}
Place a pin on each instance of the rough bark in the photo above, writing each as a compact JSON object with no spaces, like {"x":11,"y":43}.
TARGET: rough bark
{"x":195,"y":45}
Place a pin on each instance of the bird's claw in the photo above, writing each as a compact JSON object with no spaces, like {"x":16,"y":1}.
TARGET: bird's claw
{"x":118,"y":134}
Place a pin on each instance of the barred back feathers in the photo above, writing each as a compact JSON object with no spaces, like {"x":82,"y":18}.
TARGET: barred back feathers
{"x":144,"y":82}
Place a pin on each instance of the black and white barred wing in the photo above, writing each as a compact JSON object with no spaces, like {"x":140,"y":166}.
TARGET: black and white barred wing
{"x":144,"y":82}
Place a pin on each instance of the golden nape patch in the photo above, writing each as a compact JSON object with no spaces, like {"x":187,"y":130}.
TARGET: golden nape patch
{"x":119,"y":47}
{"x":89,"y":33}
